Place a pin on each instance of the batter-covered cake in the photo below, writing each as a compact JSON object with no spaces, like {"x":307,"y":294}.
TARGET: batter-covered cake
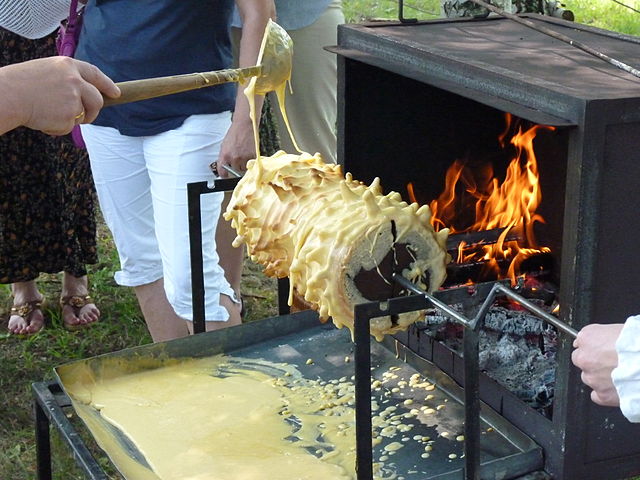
{"x":339,"y":241}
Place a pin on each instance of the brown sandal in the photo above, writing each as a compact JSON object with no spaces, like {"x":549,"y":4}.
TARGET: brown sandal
{"x":25,"y":310}
{"x":76,"y":302}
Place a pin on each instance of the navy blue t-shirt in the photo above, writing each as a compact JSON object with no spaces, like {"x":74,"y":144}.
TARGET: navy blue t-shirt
{"x":130,"y":40}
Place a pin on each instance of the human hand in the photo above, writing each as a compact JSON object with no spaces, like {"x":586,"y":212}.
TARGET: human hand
{"x":237,"y":149}
{"x":52,"y":94}
{"x":239,"y":145}
{"x":595,"y":354}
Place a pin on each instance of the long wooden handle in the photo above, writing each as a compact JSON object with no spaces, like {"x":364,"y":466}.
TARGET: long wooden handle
{"x":136,"y":90}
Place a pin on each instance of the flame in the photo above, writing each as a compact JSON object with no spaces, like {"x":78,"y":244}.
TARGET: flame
{"x":509,"y":206}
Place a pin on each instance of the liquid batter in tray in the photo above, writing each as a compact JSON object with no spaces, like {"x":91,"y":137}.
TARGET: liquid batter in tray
{"x":247,"y":403}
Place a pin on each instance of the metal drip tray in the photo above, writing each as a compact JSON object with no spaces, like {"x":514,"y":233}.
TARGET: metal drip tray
{"x":431,"y":446}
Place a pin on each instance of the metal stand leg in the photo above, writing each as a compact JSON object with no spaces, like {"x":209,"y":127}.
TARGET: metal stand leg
{"x":471,"y":405}
{"x":283,"y":296}
{"x":43,"y":443}
{"x":194,"y":191}
{"x":364,"y":444}
{"x":49,"y":400}
{"x":362,"y":315}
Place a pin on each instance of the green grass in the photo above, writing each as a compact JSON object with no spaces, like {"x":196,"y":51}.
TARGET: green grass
{"x":28,"y":360}
{"x":367,"y":10}
{"x":31,"y":359}
{"x":605,"y":14}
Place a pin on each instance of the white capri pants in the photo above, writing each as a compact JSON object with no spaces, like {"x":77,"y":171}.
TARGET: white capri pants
{"x":142,"y":189}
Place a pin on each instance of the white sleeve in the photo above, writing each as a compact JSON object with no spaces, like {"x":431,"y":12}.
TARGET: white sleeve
{"x":626,"y":376}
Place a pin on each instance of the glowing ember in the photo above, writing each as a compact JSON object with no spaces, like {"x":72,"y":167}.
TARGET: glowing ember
{"x":509,"y":206}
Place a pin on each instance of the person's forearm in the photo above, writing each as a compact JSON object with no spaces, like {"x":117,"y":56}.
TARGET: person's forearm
{"x":239,"y":144}
{"x":254,"y":21}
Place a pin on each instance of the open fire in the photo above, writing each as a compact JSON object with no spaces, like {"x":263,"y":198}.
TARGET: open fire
{"x":474,"y":200}
{"x":491,"y":214}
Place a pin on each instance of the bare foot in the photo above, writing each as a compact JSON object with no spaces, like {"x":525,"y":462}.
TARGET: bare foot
{"x":26,"y":316}
{"x":78,"y":309}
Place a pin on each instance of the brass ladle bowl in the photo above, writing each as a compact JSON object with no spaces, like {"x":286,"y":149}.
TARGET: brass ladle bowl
{"x":273,"y":70}
{"x":276,"y":57}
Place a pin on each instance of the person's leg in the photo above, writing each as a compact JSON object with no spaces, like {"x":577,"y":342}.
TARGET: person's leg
{"x":26,"y":316}
{"x":312,"y":108}
{"x":174,"y":159}
{"x":156,"y":309}
{"x":235,"y":317}
{"x":77,"y":307}
{"x":123,"y":186}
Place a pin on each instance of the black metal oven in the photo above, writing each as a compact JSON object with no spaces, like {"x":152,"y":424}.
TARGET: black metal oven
{"x":413,"y":97}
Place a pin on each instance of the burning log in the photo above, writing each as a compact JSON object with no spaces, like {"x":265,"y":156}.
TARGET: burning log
{"x":479,"y":239}
{"x":539,"y":264}
{"x":338,"y":240}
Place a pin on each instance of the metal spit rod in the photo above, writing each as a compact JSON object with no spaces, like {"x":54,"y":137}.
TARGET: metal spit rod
{"x":559,"y":36}
{"x":497,"y":289}
{"x":400,"y":280}
{"x":560,"y":325}
{"x":232,"y":171}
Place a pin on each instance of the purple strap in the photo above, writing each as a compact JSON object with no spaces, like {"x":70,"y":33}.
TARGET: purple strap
{"x":73,"y":14}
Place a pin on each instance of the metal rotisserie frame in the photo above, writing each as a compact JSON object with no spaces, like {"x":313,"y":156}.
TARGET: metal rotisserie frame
{"x":403,"y":88}
{"x":194,"y":192}
{"x":506,"y":452}
{"x":475,"y":302}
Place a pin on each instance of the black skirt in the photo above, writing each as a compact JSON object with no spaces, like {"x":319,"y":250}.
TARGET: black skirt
{"x":47,"y":196}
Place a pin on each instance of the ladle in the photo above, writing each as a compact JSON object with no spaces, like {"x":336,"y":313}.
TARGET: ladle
{"x":273,"y":69}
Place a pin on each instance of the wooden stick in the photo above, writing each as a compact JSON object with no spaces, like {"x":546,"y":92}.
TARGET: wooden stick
{"x":561,"y":37}
{"x":146,"y":88}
